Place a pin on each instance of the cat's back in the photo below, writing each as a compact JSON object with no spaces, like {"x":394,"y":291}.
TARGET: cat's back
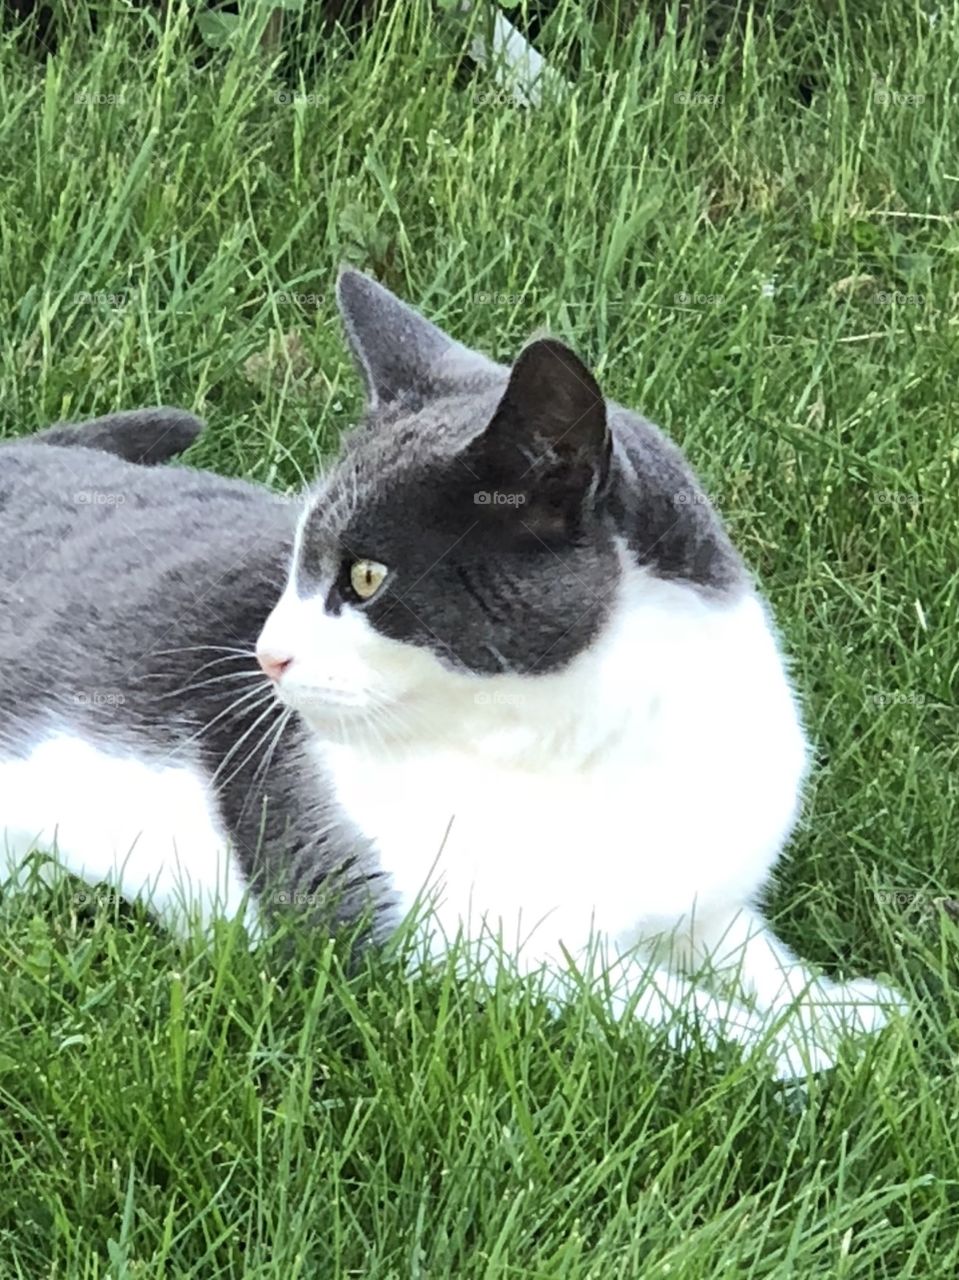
{"x":136,"y":727}
{"x":72,"y":518}
{"x":127,"y":579}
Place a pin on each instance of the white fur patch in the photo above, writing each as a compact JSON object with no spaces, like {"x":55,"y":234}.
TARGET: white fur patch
{"x":658,"y":774}
{"x":643,"y":794}
{"x":149,"y":831}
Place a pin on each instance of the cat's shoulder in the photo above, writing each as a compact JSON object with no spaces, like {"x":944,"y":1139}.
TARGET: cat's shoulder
{"x":660,"y":506}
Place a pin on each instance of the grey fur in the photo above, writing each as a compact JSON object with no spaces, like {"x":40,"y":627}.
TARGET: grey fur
{"x":115,"y":581}
{"x":144,"y":436}
{"x":119,"y":585}
{"x":400,"y":354}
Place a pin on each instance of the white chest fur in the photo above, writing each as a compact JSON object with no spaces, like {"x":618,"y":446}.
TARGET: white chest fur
{"x":666,"y":784}
{"x":533,"y":853}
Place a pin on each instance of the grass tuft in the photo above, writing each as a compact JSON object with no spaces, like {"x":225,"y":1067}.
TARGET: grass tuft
{"x":754,"y":238}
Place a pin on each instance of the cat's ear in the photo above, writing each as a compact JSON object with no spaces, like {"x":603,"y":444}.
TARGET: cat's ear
{"x":398,"y":351}
{"x":548,"y":440}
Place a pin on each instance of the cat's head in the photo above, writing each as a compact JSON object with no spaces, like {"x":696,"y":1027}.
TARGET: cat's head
{"x":460,"y":543}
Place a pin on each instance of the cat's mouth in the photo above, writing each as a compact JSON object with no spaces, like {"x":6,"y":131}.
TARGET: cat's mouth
{"x":330,"y":705}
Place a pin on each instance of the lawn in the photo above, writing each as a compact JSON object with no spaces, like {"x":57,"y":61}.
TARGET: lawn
{"x":748,"y":224}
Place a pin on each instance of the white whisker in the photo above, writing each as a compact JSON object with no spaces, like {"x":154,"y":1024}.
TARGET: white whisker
{"x":274,"y":706}
{"x":198,"y":648}
{"x":241,"y":703}
{"x":231,"y":675}
{"x":262,"y":769}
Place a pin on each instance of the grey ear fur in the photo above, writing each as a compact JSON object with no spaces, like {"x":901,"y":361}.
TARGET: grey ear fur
{"x":550,"y":427}
{"x":397,"y":350}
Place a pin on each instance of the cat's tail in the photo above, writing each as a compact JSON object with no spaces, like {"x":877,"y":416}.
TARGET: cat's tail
{"x":145,"y":436}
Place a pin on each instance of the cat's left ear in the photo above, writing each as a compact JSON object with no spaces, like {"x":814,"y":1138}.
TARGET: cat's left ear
{"x":548,"y":440}
{"x":399,"y":351}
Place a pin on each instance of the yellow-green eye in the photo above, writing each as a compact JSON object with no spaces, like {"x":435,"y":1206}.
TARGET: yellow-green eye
{"x":366,"y":577}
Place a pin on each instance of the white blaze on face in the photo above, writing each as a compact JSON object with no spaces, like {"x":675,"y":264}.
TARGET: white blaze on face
{"x":336,"y":663}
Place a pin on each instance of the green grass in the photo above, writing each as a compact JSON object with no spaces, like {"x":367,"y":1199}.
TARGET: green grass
{"x":168,"y":1110}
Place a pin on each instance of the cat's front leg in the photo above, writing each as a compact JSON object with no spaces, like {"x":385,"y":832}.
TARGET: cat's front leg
{"x":741,"y":950}
{"x":635,"y":986}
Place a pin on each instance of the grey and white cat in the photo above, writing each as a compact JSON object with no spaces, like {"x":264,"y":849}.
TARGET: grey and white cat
{"x":503,"y":659}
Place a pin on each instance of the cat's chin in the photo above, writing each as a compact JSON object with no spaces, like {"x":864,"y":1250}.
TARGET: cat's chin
{"x":341,"y":719}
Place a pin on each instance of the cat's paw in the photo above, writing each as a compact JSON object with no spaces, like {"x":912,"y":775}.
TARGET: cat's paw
{"x":865,"y":991}
{"x":797,"y":1058}
{"x":857,"y":1008}
{"x":829,"y":1017}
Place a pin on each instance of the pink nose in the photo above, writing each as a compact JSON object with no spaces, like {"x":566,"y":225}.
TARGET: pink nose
{"x":274,"y":664}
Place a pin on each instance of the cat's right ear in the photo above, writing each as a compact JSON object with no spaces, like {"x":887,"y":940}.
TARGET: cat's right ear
{"x":397,"y":350}
{"x":548,"y":443}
